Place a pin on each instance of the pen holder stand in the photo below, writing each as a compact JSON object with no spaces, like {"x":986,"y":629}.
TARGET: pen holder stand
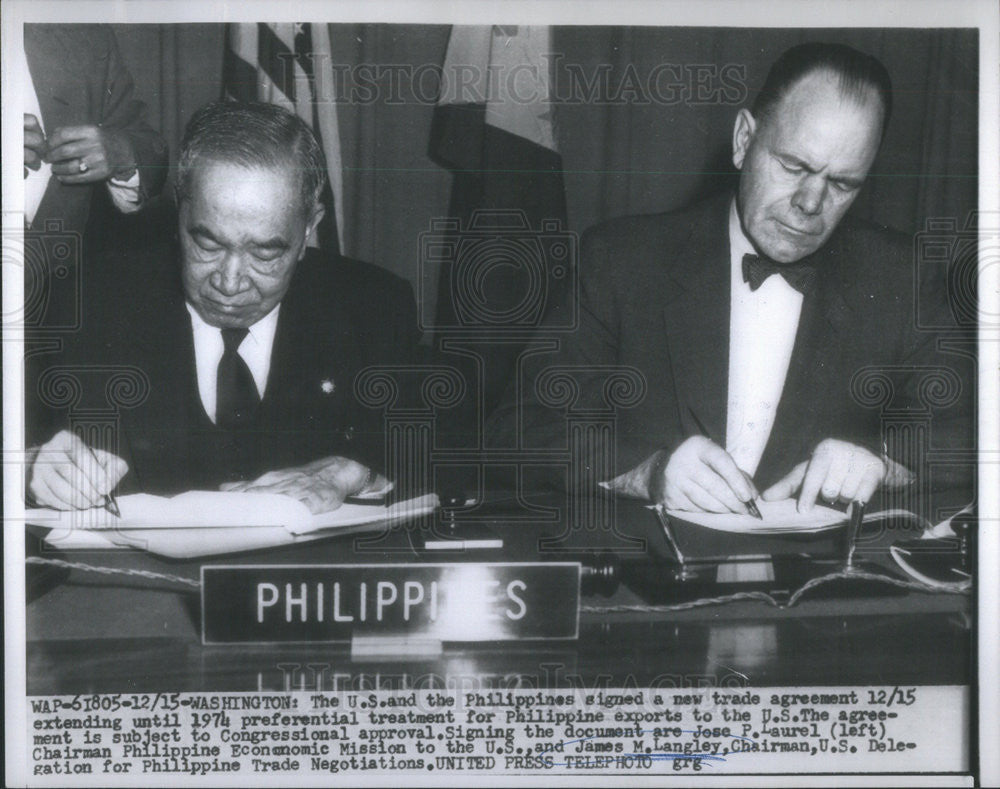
{"x":964,"y":525}
{"x":856,"y":515}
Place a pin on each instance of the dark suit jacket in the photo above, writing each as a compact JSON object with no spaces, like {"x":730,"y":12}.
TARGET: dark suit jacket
{"x":80,"y":79}
{"x":135,"y":365}
{"x":655,"y":297}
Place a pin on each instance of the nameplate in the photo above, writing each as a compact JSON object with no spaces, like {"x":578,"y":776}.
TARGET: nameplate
{"x":322,"y":603}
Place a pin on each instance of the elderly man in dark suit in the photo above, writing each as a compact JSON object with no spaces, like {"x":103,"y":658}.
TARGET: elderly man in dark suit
{"x":750,"y":317}
{"x":243,"y":357}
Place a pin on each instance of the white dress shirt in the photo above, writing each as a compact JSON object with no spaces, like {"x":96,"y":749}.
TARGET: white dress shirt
{"x":208,"y":349}
{"x":36,"y":181}
{"x":124,"y":194}
{"x":762,"y":328}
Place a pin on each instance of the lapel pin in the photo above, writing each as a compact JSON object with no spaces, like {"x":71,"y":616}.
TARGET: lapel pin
{"x":328,"y":386}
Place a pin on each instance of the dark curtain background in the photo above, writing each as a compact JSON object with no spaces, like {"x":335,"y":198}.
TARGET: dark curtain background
{"x":638,"y":158}
{"x":624,"y":151}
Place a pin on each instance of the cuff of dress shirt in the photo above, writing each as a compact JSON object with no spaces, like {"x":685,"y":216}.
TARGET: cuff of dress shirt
{"x":125,"y":194}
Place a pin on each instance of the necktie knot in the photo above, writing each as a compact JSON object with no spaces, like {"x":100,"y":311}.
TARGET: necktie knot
{"x":756,"y":269}
{"x":233,"y":338}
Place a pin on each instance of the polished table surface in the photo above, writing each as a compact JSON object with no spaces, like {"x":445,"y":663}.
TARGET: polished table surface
{"x":98,"y":633}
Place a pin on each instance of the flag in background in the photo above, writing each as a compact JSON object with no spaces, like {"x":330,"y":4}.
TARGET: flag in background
{"x":280,"y":64}
{"x":494,"y":128}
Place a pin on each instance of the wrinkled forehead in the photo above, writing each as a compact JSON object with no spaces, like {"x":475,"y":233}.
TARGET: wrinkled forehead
{"x":236,"y":205}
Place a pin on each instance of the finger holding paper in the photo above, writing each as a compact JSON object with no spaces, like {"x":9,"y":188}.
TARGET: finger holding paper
{"x":837,"y":471}
{"x":322,"y":485}
{"x":66,"y":474}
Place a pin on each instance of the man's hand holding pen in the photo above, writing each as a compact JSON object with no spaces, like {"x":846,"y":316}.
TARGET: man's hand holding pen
{"x":697,"y":476}
{"x":66,"y":474}
{"x":701,"y":476}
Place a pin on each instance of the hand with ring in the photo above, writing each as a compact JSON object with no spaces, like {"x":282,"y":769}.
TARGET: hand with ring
{"x":88,"y":154}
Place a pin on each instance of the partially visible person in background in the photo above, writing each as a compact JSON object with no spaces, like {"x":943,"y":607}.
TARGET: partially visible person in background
{"x":83,"y":127}
{"x":84,"y":130}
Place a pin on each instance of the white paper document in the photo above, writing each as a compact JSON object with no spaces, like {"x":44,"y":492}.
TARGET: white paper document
{"x":780,"y":517}
{"x":201,"y":523}
{"x":198,"y":509}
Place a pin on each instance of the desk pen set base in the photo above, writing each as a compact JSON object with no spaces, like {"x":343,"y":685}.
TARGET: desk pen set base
{"x":844,"y":559}
{"x":660,"y":582}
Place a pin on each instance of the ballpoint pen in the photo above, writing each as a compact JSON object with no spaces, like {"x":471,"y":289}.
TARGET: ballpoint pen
{"x":668,"y":532}
{"x":109,"y":502}
{"x":111,"y":505}
{"x":750,"y":504}
{"x":853,"y":528}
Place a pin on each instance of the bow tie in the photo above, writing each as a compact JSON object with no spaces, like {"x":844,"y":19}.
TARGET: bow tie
{"x":757,"y":269}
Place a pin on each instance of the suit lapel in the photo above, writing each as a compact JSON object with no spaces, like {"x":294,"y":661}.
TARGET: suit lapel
{"x":815,"y":370}
{"x":161,"y":345}
{"x":696,"y":322}
{"x":312,"y":357}
{"x":48,"y":58}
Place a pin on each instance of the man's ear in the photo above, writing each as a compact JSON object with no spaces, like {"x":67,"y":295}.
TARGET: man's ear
{"x":315,"y":217}
{"x":178,"y":215}
{"x":743,"y":131}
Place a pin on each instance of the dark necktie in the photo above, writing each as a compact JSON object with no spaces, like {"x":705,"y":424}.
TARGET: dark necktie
{"x":756,"y":269}
{"x":236,"y":397}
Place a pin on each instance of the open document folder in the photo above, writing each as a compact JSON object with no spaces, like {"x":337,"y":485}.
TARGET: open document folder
{"x":202,"y":523}
{"x":779,"y":517}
